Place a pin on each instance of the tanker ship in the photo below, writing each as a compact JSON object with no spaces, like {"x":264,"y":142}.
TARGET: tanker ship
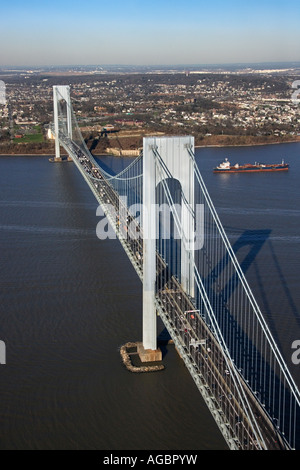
{"x":225,"y":167}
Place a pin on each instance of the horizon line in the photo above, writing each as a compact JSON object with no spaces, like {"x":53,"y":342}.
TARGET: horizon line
{"x":215,"y":64}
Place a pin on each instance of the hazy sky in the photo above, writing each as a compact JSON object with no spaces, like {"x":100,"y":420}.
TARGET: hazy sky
{"x":156,"y":32}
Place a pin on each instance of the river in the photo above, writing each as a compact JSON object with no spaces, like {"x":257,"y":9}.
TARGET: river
{"x":69,"y":301}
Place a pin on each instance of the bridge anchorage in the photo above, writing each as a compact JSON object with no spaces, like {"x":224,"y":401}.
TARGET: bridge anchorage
{"x":161,"y":212}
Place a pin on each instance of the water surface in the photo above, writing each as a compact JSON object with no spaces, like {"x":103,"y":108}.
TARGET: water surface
{"x":69,"y":301}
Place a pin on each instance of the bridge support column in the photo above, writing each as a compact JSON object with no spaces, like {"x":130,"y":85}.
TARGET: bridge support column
{"x":61,"y":93}
{"x":148,"y":350}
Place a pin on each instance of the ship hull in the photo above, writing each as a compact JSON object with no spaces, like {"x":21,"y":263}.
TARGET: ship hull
{"x":252,"y":169}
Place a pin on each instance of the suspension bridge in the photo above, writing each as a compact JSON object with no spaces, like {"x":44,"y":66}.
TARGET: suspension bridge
{"x":161,"y":212}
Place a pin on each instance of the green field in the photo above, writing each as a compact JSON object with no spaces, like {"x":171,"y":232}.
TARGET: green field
{"x":31,"y":138}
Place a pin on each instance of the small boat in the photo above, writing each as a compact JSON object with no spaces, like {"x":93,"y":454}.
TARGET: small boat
{"x":226,"y":167}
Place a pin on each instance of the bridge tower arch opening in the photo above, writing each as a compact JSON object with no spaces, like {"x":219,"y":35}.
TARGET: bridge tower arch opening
{"x":61,"y":97}
{"x":163,"y":158}
{"x":168,"y":242}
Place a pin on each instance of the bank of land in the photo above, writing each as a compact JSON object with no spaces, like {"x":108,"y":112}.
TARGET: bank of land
{"x":116,"y":110}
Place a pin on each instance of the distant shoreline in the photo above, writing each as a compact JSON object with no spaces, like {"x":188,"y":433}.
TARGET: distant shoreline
{"x":26,"y":155}
{"x":258,"y":144}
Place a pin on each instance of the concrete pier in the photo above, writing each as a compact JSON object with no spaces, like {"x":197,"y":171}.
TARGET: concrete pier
{"x":129,"y":351}
{"x":148,"y":355}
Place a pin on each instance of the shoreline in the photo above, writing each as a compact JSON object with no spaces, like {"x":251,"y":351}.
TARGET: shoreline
{"x":258,"y":144}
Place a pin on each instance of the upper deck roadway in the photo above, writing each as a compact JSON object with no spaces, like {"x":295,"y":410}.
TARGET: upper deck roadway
{"x":194,"y":340}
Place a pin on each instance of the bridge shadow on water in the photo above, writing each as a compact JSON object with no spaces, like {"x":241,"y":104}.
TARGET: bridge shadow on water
{"x":247,"y":248}
{"x":254,"y":240}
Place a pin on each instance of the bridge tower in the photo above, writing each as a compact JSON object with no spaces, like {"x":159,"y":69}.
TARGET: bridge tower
{"x":60,"y":93}
{"x":171,"y":153}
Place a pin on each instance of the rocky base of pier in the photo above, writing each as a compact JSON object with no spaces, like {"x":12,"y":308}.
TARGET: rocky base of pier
{"x":130,"y":357}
